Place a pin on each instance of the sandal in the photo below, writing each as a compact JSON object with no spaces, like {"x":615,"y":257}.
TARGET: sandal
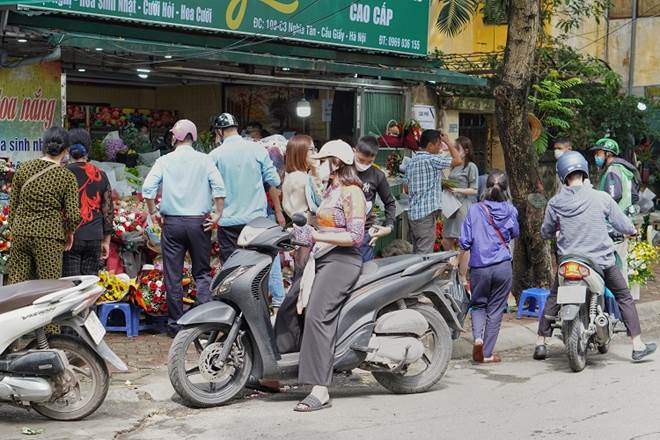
{"x":495,"y":359}
{"x":311,"y":403}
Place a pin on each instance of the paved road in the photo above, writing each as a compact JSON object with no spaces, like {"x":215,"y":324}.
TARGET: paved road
{"x":519,"y":399}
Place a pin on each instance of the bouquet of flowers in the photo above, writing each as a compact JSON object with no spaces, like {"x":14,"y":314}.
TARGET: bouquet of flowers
{"x":393,"y":164}
{"x":151,"y":294}
{"x":7,"y":170}
{"x":116,"y":287}
{"x":439,"y":230}
{"x":641,"y":258}
{"x":129,"y":220}
{"x":5,"y":238}
{"x":413,"y":130}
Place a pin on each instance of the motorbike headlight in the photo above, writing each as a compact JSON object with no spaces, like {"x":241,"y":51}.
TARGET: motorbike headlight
{"x":229,"y":279}
{"x":247,"y":235}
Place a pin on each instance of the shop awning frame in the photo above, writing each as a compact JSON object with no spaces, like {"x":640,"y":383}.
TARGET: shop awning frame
{"x":159,"y":42}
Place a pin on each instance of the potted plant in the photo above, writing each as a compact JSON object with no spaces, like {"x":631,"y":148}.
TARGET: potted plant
{"x":642,"y":257}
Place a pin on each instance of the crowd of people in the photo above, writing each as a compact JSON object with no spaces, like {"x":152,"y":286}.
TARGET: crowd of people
{"x":61,"y":222}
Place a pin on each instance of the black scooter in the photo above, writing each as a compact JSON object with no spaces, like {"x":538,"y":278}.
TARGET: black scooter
{"x":398,"y":323}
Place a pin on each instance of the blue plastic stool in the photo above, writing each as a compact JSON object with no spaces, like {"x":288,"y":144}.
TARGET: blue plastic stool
{"x":131,"y":317}
{"x":532,"y":302}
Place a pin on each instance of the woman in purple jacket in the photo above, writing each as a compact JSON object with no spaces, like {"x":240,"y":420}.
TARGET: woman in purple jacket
{"x":487,"y":230}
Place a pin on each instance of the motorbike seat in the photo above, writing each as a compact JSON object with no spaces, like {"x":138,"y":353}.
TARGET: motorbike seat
{"x":384,"y":267}
{"x":23,"y":294}
{"x":585,"y":260}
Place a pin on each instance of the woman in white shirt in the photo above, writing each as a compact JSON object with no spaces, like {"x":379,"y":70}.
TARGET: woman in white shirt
{"x":301,"y":188}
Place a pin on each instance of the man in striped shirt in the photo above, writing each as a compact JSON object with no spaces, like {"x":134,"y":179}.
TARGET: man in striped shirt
{"x":424,"y":176}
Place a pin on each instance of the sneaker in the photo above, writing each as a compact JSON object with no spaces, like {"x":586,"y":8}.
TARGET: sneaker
{"x":641,"y":354}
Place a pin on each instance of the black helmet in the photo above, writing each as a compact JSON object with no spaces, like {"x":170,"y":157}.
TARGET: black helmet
{"x":224,"y":120}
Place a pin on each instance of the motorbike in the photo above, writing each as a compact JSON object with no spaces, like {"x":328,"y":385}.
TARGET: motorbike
{"x":589,"y":316}
{"x":61,"y":376}
{"x":398,"y":323}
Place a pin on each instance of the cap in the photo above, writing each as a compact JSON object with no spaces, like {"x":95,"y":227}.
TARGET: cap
{"x":183,"y":128}
{"x":337,"y":148}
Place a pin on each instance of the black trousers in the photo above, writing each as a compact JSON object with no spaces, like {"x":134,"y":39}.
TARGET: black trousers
{"x":336,"y":273}
{"x":84,"y":258}
{"x":614,"y":281}
{"x":183,"y":235}
{"x":228,"y":240}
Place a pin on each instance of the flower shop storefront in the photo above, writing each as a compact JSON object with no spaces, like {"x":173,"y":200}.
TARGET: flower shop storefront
{"x":128,"y":82}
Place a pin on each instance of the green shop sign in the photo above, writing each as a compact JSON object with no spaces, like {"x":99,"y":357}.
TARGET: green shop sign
{"x":394,"y":26}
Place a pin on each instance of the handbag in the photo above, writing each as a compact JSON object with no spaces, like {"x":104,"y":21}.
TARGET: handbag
{"x":491,"y":221}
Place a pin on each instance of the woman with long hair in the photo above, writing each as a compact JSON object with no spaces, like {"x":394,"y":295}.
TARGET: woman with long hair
{"x":44,"y":212}
{"x":331,"y":271}
{"x":91,"y":242}
{"x":488,"y":228}
{"x":466,"y":178}
{"x":300,"y":177}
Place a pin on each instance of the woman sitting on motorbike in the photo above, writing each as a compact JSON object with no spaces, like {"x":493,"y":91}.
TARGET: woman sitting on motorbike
{"x":329,"y":274}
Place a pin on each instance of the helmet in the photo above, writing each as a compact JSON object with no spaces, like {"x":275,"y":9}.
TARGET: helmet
{"x":608,"y":145}
{"x":570,"y":162}
{"x":337,"y":148}
{"x":224,"y":120}
{"x":183,"y":128}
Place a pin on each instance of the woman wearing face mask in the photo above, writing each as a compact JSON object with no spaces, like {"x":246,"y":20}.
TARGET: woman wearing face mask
{"x":44,"y":212}
{"x":331,"y":271}
{"x":466,"y":178}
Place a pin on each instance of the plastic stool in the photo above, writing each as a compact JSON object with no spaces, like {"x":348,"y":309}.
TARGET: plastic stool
{"x":532,"y":302}
{"x":131,"y":317}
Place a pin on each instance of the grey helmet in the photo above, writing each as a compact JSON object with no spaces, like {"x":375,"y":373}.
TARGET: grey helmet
{"x":570,"y":162}
{"x":224,"y":120}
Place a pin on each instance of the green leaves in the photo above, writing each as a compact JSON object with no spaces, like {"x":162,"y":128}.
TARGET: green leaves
{"x":455,"y":15}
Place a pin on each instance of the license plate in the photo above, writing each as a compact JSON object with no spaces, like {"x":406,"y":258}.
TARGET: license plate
{"x":572,"y":295}
{"x":94,"y":328}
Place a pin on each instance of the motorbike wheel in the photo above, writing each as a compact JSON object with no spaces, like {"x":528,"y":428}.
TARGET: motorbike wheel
{"x":191,"y":371}
{"x":93,"y":382}
{"x":576,"y":346}
{"x":436,"y":357}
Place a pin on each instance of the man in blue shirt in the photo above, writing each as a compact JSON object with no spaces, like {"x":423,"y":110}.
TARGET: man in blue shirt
{"x":424,"y":176}
{"x":245,"y":168}
{"x":188,"y":180}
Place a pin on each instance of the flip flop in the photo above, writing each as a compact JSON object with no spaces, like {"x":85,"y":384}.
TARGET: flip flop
{"x":496,"y":359}
{"x":311,"y":403}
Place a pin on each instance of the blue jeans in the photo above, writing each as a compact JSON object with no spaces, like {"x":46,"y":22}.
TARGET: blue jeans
{"x":276,"y":281}
{"x":366,"y":251}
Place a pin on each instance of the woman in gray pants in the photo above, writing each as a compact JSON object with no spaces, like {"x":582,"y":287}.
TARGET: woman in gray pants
{"x":487,"y":230}
{"x":332,"y":269}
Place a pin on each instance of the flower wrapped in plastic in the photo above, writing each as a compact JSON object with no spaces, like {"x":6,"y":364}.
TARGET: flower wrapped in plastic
{"x":641,"y":258}
{"x":151,"y":293}
{"x":116,"y":287}
{"x":5,"y":238}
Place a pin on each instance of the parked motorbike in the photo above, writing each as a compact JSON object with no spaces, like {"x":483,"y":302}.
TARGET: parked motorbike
{"x":61,"y":376}
{"x":398,"y":323}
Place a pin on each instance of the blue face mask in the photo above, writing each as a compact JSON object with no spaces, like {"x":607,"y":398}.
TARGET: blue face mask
{"x":600,"y":161}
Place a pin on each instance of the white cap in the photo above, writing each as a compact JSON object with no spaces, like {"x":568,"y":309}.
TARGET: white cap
{"x":337,"y":148}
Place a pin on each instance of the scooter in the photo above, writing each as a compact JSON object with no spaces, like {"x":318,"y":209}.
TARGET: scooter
{"x":398,"y":323}
{"x":63,"y":376}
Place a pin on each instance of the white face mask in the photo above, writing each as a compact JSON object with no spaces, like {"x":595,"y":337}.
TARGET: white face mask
{"x":360,"y":167}
{"x":559,"y":153}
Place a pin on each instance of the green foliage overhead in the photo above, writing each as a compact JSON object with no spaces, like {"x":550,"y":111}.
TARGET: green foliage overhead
{"x":455,"y":15}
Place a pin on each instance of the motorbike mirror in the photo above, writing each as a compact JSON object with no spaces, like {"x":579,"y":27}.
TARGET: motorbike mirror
{"x":299,"y":219}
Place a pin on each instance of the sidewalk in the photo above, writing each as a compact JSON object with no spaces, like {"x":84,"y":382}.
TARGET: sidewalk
{"x":149,"y":351}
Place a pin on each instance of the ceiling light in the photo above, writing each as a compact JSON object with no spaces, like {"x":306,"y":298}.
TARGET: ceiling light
{"x":143,"y":70}
{"x":168,"y":57}
{"x":143,"y":75}
{"x":641,"y":106}
{"x":286,"y":69}
{"x":22,"y":40}
{"x":303,"y":108}
{"x":82,"y":70}
{"x":99,"y":49}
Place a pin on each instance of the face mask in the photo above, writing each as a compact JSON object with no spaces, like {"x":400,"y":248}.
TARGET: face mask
{"x":600,"y":161}
{"x":558,"y":154}
{"x":360,"y":167}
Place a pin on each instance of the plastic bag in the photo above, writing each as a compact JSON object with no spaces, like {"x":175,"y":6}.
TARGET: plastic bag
{"x":149,"y":159}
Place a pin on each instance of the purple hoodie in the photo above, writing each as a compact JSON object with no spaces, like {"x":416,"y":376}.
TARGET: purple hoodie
{"x":481,"y":239}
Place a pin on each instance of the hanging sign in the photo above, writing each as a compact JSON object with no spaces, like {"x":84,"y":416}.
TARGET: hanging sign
{"x":30,"y":102}
{"x":393,"y":26}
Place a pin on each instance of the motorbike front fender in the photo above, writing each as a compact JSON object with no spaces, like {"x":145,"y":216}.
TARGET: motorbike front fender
{"x":569,"y":312}
{"x":213,"y":312}
{"x":102,"y":349}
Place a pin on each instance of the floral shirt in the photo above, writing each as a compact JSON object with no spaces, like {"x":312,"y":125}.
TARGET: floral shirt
{"x":343,"y":209}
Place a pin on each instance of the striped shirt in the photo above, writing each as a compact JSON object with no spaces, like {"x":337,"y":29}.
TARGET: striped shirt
{"x":424,"y":175}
